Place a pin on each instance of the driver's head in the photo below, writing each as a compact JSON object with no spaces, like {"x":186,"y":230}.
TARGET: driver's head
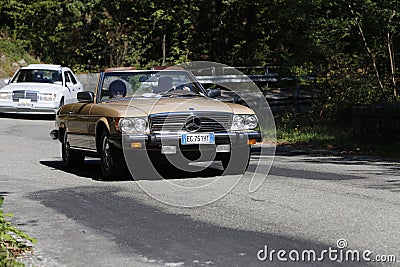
{"x":164,"y":84}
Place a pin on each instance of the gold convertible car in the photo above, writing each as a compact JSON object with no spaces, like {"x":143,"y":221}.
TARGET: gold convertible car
{"x":165,"y":116}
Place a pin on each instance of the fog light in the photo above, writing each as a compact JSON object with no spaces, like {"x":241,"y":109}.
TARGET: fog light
{"x":168,"y":150}
{"x":223,"y":148}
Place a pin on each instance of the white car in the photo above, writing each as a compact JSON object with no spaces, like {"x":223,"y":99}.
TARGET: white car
{"x":39,"y":89}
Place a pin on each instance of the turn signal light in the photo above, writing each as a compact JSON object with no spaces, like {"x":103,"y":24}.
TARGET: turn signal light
{"x":136,"y":145}
{"x":251,"y":142}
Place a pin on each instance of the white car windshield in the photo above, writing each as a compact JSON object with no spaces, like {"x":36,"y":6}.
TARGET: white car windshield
{"x":37,"y":76}
{"x":147,"y":84}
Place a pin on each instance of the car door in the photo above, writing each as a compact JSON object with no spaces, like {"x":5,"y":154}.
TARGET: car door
{"x":78,"y":126}
{"x":73,"y":87}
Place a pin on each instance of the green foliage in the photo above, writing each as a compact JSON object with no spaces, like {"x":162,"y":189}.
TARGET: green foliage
{"x":306,"y":131}
{"x":300,"y":129}
{"x":10,"y":247}
{"x":349,"y":45}
{"x":12,"y":56}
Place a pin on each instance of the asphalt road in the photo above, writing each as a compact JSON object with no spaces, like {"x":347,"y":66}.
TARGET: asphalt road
{"x":308,"y":202}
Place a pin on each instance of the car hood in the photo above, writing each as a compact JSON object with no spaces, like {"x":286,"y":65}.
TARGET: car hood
{"x":40,"y":87}
{"x":146,"y":106}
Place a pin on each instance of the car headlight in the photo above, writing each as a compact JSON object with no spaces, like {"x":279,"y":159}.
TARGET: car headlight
{"x":238,"y":123}
{"x":244,"y":122}
{"x":48,"y":97}
{"x":251,"y":122}
{"x":132,"y":125}
{"x":5,"y":95}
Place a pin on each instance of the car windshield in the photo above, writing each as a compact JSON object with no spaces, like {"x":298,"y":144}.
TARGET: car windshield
{"x":149,"y":84}
{"x":37,"y":76}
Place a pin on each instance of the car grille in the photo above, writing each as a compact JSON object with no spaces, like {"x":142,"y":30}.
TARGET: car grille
{"x":176,"y":122}
{"x":22,"y":94}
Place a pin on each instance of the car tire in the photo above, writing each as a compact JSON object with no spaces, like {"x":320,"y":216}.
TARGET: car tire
{"x":237,"y":161}
{"x":113,"y":166}
{"x":70,"y":157}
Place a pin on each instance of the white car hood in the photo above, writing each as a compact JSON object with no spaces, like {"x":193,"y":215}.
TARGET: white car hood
{"x":40,"y":87}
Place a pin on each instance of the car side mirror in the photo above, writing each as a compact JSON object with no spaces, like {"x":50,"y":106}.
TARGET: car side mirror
{"x":214,"y":92}
{"x":6,"y":81}
{"x":85,"y":97}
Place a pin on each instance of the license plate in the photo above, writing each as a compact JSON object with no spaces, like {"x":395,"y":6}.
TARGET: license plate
{"x":197,"y":138}
{"x":24,"y":103}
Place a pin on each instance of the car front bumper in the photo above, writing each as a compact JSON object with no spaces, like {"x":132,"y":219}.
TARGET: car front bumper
{"x":31,"y":108}
{"x":156,"y":142}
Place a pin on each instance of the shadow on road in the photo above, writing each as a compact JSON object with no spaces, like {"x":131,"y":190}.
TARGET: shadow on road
{"x":325,"y":156}
{"x":164,"y":237}
{"x":91,"y":169}
{"x":45,"y":117}
{"x":333,"y":156}
{"x":311,"y":175}
{"x":391,"y":185}
{"x":3,"y":194}
{"x":377,"y":166}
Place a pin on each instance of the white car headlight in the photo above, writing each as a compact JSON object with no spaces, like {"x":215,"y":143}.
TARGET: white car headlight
{"x":47,"y":97}
{"x":5,"y":95}
{"x":251,"y":122}
{"x":244,"y":122}
{"x":133,"y":125}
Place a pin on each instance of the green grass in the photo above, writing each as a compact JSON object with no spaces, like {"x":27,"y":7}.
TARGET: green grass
{"x":10,"y":247}
{"x":308,"y":135}
{"x":303,"y":130}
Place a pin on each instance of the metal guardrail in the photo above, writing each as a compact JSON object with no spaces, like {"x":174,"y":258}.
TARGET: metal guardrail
{"x":221,"y":79}
{"x":299,"y":97}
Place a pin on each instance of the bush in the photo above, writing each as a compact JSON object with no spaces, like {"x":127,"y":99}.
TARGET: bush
{"x":13,"y":56}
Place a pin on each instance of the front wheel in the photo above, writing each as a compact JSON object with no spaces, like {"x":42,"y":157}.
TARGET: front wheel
{"x":113,"y":164}
{"x":70,"y":157}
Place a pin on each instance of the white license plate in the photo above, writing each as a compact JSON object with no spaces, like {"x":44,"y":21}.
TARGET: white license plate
{"x":197,"y":138}
{"x":24,"y":103}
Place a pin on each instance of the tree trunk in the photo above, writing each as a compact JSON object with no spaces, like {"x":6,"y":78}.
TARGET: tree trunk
{"x":163,"y":49}
{"x":369,"y":52}
{"x":392,"y":63}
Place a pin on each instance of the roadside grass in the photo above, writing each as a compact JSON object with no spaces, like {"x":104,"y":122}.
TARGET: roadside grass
{"x":303,"y":131}
{"x":306,"y":135}
{"x":12,"y":241}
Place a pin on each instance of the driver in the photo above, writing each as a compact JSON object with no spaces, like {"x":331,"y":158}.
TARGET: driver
{"x":164,"y":84}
